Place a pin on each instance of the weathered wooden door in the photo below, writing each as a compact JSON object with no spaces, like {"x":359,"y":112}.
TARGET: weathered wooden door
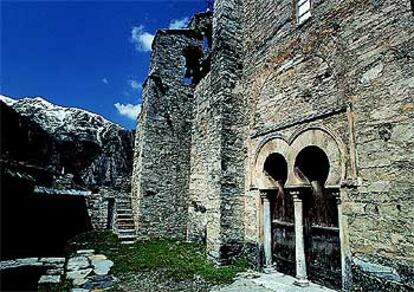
{"x":283,"y":232}
{"x":322,"y":244}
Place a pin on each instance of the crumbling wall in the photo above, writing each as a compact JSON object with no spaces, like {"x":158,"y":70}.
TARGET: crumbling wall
{"x":162,"y":157}
{"x":349,"y":69}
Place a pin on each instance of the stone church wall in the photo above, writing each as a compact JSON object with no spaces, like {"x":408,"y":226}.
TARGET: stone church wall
{"x":346,"y":72}
{"x":199,"y":187}
{"x":228,"y":132}
{"x":381,"y":85}
{"x":162,"y":158}
{"x":348,"y":69}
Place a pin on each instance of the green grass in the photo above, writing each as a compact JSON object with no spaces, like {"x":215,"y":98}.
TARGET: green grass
{"x":65,"y":286}
{"x":177,"y":260}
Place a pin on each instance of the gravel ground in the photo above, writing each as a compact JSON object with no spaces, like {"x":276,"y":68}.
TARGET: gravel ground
{"x":244,"y":282}
{"x":156,"y":282}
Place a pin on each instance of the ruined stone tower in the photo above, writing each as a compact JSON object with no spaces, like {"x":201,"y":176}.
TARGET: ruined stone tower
{"x":283,"y":132}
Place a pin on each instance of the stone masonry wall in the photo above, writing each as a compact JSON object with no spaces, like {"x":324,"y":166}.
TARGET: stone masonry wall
{"x":228,"y":132}
{"x":162,"y":157}
{"x":349,"y":70}
{"x":381,"y":85}
{"x":355,"y":55}
{"x":199,"y":187}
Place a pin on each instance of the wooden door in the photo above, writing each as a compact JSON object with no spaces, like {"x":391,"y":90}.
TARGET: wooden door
{"x":322,"y":244}
{"x":283,"y":232}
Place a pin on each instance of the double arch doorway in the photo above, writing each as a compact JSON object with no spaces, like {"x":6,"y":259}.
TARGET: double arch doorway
{"x":301,"y":227}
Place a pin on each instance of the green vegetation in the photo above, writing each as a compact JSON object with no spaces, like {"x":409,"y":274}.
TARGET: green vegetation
{"x":178,"y":260}
{"x":65,"y":286}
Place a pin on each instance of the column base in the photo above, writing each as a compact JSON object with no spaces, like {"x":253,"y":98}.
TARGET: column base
{"x":301,"y":283}
{"x":268,"y":270}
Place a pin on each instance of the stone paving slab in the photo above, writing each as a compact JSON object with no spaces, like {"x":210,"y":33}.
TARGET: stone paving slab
{"x":49,"y":279}
{"x":77,"y":263}
{"x":259,"y":282}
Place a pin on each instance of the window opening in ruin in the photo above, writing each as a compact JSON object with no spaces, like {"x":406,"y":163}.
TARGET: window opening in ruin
{"x":312,"y":165}
{"x":187,"y":80}
{"x":206,"y":45}
{"x":303,"y":10}
{"x":196,"y":65}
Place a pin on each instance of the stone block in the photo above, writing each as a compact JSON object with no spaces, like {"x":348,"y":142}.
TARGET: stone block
{"x":77,"y":263}
{"x":49,"y":279}
{"x":78,"y":274}
{"x":101,"y":267}
{"x":381,"y":271}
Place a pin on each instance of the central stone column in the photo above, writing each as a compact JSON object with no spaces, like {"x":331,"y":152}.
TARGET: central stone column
{"x":267,"y":230}
{"x":301,"y":274}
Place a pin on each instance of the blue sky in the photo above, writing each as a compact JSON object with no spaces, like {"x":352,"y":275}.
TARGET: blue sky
{"x":88,"y":54}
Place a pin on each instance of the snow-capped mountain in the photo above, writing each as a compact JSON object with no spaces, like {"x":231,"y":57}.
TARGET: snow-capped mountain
{"x":93,"y":149}
{"x":7,"y":100}
{"x":64,"y":123}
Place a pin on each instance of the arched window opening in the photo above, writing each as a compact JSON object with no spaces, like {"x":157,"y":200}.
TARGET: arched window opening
{"x":196,"y":64}
{"x":312,"y":165}
{"x":276,"y":167}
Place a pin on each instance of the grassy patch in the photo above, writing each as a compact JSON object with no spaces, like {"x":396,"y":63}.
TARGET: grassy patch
{"x":62,"y":287}
{"x":178,"y":260}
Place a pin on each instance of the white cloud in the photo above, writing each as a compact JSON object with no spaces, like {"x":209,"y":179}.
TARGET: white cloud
{"x":131,"y":111}
{"x":134,"y":84}
{"x":105,"y":80}
{"x":141,"y":39}
{"x":179,"y":23}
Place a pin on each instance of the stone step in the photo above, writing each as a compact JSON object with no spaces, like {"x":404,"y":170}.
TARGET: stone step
{"x":123,"y":199}
{"x":124,"y":216}
{"x":128,"y":242}
{"x":126,"y":236}
{"x":125,"y":222}
{"x":124,"y":213}
{"x":126,"y":226}
{"x":121,"y":230}
{"x":126,"y":231}
{"x":123,"y":219}
{"x":124,"y":210}
{"x":124,"y":206}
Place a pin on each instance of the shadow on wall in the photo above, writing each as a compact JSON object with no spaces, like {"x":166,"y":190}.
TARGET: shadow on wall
{"x":35,"y":225}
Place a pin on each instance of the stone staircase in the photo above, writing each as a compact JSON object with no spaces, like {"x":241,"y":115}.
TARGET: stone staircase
{"x":125,"y":220}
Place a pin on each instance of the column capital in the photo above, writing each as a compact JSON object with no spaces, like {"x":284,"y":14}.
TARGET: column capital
{"x":337,"y":195}
{"x":294,"y":192}
{"x":264,"y":196}
{"x":296,"y":195}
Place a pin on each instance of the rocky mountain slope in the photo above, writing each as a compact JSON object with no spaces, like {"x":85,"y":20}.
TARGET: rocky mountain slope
{"x":95,"y":151}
